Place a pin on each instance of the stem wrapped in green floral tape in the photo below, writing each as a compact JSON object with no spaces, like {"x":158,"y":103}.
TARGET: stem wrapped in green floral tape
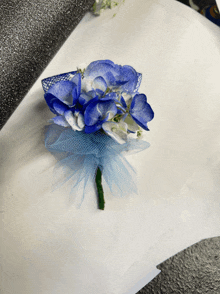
{"x":98,"y":180}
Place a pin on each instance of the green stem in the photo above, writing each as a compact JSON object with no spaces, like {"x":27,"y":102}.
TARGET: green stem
{"x":98,"y":180}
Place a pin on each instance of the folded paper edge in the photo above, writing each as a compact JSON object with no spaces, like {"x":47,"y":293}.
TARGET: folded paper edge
{"x":143,"y":282}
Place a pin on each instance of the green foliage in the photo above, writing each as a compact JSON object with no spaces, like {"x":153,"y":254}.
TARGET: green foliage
{"x":139,"y":132}
{"x":81,"y":71}
{"x":101,"y":5}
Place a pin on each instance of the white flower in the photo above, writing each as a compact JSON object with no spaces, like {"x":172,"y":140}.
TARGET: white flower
{"x":75,"y":120}
{"x":118,"y":131}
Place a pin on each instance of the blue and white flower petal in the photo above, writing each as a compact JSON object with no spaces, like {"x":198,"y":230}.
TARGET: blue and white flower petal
{"x":121,"y":77}
{"x":109,"y":77}
{"x":77,"y":81}
{"x":84,"y":98}
{"x":99,"y":93}
{"x":74,"y":95}
{"x":111,"y":96}
{"x":118,"y":131}
{"x":122,"y":100}
{"x":80,"y":121}
{"x":97,"y":110}
{"x":133,"y":79}
{"x":120,"y":109}
{"x":107,"y":108}
{"x":105,"y":68}
{"x":92,"y":93}
{"x":127,"y":98}
{"x":63,"y":91}
{"x":97,"y":126}
{"x":59,"y":107}
{"x":90,"y":101}
{"x":94,"y":128}
{"x":72,"y":120}
{"x":50,"y":99}
{"x":141,"y":111}
{"x":91,"y":114}
{"x":99,"y":83}
{"x":60,"y":120}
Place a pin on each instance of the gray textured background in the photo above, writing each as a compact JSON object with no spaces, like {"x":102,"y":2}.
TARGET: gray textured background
{"x":195,"y":270}
{"x":31,"y":32}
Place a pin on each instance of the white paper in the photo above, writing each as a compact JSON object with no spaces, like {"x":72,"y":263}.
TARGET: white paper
{"x":48,"y":245}
{"x":142,"y":283}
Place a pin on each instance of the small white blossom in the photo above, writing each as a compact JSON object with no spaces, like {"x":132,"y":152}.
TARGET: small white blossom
{"x":76,"y":120}
{"x":118,"y":131}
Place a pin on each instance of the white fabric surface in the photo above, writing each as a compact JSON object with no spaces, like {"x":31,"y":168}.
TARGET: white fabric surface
{"x":49,"y":246}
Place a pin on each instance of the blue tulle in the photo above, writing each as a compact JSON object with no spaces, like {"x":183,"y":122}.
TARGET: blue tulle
{"x":79,"y":154}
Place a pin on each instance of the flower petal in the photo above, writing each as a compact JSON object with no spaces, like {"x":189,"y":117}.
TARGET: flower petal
{"x":110,"y":79}
{"x":84,"y":98}
{"x":71,"y":119}
{"x":100,"y":68}
{"x":107,"y":108}
{"x":91,"y":114}
{"x":132,"y":78}
{"x":122,"y":100}
{"x":104,"y":68}
{"x":111,"y":96}
{"x":127,"y":98}
{"x":80,"y":121}
{"x":63,"y":91}
{"x":99,"y":83}
{"x":120,"y":111}
{"x":77,"y":81}
{"x":98,"y":110}
{"x":92,"y":93}
{"x":99,"y":93}
{"x":59,"y":107}
{"x":74,"y":96}
{"x":48,"y":82}
{"x":141,"y":111}
{"x":118,"y":131}
{"x":125,"y":78}
{"x":50,"y":99}
{"x":60,"y":120}
{"x":90,"y":101}
{"x":92,"y":129}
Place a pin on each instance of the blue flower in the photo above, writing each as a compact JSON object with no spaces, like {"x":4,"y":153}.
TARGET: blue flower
{"x":102,"y":96}
{"x":62,"y":98}
{"x":98,"y":112}
{"x":141,"y":111}
{"x":63,"y":95}
{"x":103,"y":74}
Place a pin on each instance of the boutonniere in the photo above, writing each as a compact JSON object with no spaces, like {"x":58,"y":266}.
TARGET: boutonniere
{"x":99,"y":115}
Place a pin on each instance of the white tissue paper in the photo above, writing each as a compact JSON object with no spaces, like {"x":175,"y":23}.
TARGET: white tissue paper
{"x":50,"y":246}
